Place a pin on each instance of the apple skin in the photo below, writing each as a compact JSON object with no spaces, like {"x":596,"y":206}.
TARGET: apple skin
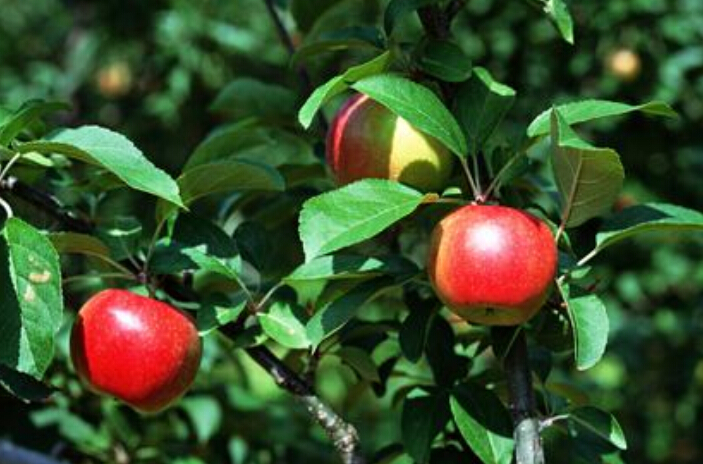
{"x":137,"y":349}
{"x":367,"y":140}
{"x":492,"y":265}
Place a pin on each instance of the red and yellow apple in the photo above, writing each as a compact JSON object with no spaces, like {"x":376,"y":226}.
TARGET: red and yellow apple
{"x":140,"y":350}
{"x":367,"y":140}
{"x":492,"y":264}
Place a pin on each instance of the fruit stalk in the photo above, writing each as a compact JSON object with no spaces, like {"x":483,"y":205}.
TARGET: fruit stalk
{"x":528,"y":443}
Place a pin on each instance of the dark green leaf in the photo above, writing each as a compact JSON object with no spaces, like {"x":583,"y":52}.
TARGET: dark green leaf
{"x":396,"y":9}
{"x":214,"y":314}
{"x":361,"y":361}
{"x":645,"y":218}
{"x":589,"y":179}
{"x":416,"y":104}
{"x":588,"y":110}
{"x":31,"y":303}
{"x":480,"y":105}
{"x":352,"y":37}
{"x":413,"y":333}
{"x":484,"y":423}
{"x":352,"y":214}
{"x":338,"y":312}
{"x":245,"y":96}
{"x":23,"y":386}
{"x":24,"y":116}
{"x":444,"y":60}
{"x":600,"y":423}
{"x":254,"y":244}
{"x":423,"y":418}
{"x":589,"y":324}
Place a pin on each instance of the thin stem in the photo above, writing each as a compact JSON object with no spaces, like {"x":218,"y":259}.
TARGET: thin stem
{"x":6,"y":206}
{"x":497,"y":178}
{"x":477,"y":173}
{"x":470,"y":178}
{"x":9,"y":164}
{"x":262,"y":302}
{"x":152,"y":246}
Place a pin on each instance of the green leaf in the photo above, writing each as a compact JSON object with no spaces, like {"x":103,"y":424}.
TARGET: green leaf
{"x":285,"y":323}
{"x":397,"y":9}
{"x":114,"y":152}
{"x":23,"y":386}
{"x":72,"y":427}
{"x":480,"y":106}
{"x":31,"y":304}
{"x":588,"y":178}
{"x":600,"y":423}
{"x":349,"y":267}
{"x":331,"y":317}
{"x":589,"y":325}
{"x":444,"y":60}
{"x":222,"y":176}
{"x":71,"y":242}
{"x":222,"y":141}
{"x":339,"y":84}
{"x":214,"y":314}
{"x":416,"y":104}
{"x":245,"y":97}
{"x":353,"y":213}
{"x":361,"y":361}
{"x":559,"y":14}
{"x":205,"y":414}
{"x":588,"y":110}
{"x":647,"y":217}
{"x":25,"y":115}
{"x":413,"y":333}
{"x":122,"y":235}
{"x":345,"y":38}
{"x":422,"y":419}
{"x":484,"y":423}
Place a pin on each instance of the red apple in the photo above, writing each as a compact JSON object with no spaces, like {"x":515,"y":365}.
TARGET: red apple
{"x":492,"y":265}
{"x":368,"y":140}
{"x":139,"y":350}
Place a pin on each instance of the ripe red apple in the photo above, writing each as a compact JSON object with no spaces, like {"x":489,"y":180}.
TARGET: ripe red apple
{"x":137,"y":349}
{"x":492,"y":265}
{"x":366,"y":139}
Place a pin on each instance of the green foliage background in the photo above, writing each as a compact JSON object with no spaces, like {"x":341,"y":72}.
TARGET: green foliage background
{"x":179,"y":54}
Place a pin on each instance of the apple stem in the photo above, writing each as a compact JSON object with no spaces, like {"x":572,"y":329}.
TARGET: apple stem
{"x":528,"y":443}
{"x":470,"y":178}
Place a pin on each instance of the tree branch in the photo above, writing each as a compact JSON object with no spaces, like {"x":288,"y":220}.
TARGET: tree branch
{"x":343,"y":435}
{"x":528,"y":443}
{"x":13,"y":454}
{"x":45,"y":202}
{"x":287,"y":42}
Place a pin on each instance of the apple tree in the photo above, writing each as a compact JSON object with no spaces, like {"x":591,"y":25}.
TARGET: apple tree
{"x":368,"y":261}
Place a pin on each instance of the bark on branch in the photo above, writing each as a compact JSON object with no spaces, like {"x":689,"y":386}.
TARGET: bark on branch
{"x":528,"y":443}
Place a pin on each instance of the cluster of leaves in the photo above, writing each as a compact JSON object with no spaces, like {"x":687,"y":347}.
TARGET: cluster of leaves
{"x":353,"y":297}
